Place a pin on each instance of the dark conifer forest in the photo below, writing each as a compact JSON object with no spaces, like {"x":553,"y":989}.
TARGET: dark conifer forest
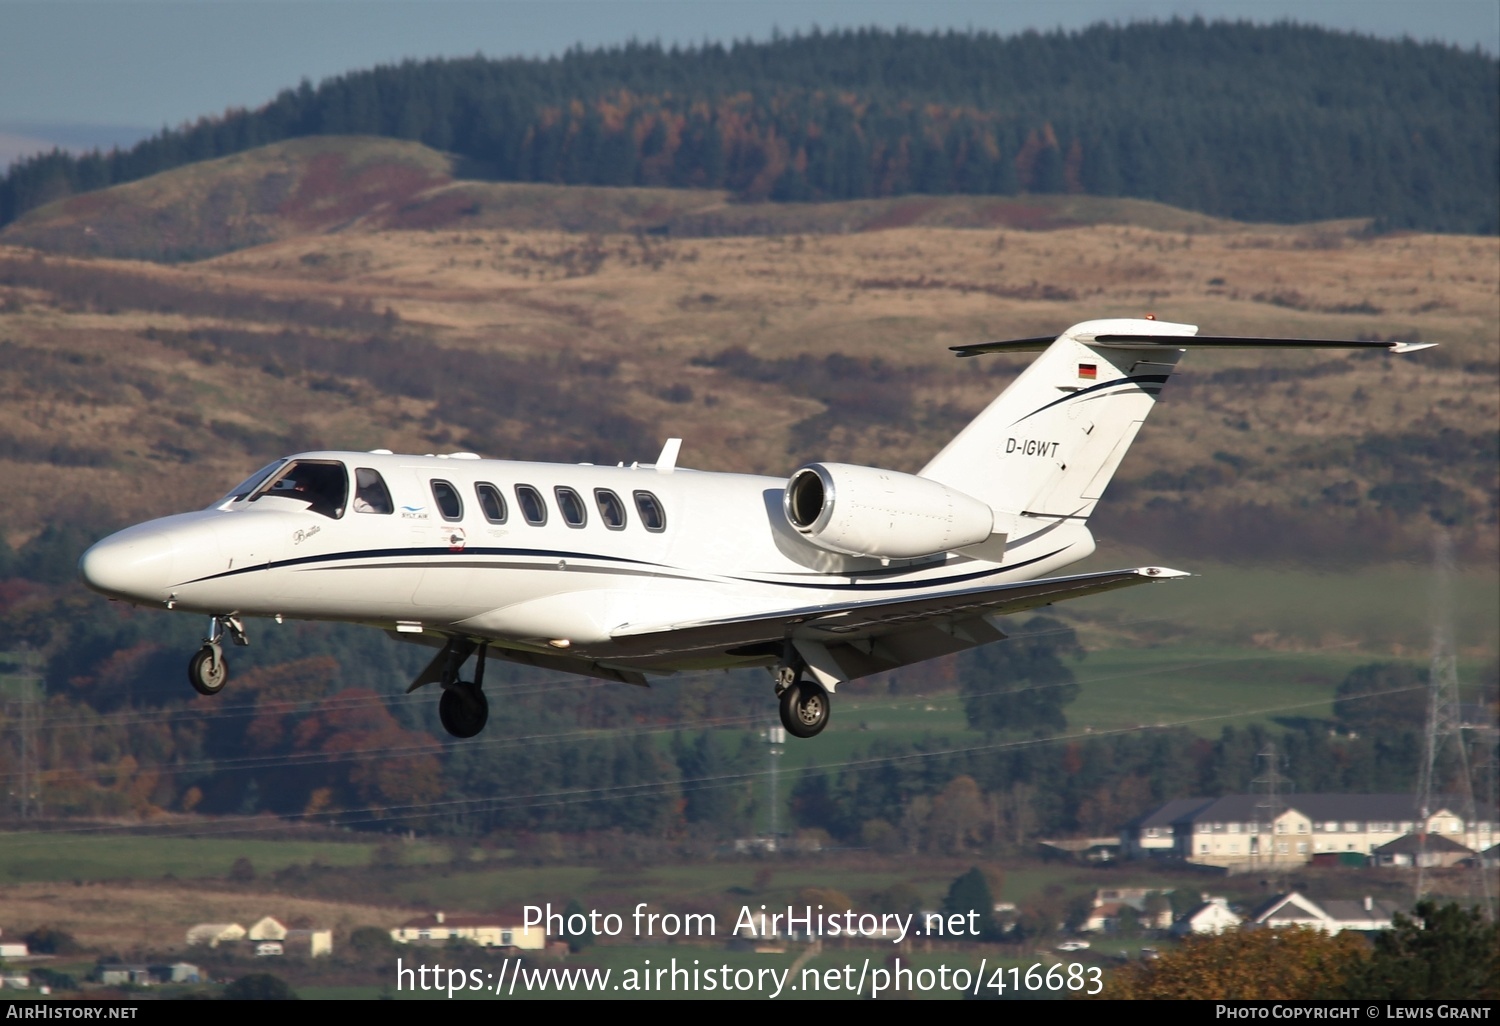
{"x":1281,"y":123}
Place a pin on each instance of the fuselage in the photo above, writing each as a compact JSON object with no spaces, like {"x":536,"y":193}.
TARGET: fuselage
{"x":529,"y":555}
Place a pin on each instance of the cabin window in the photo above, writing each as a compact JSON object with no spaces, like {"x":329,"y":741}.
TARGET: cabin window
{"x":322,"y":484}
{"x":370,"y":492}
{"x":492,"y":502}
{"x":611,"y":509}
{"x":570,"y":505}
{"x":532,"y":506}
{"x":652,"y":515}
{"x":448,"y":502}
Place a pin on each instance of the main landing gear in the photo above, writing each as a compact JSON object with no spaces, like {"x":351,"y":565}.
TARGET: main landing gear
{"x":804,"y":703}
{"x":208,"y":670}
{"x":463,"y":709}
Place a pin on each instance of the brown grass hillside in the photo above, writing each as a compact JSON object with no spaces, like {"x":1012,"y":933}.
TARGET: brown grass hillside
{"x":155,"y":917}
{"x":132,"y":389}
{"x":333,"y":184}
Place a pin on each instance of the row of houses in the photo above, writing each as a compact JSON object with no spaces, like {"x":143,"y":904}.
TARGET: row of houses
{"x":268,"y":935}
{"x":117,"y":975}
{"x":141,"y":975}
{"x":1331,"y":915}
{"x":1245,"y":831}
{"x":488,"y":931}
{"x":1214,"y":915}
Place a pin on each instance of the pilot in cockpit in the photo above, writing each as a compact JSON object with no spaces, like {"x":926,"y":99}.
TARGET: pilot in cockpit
{"x":321,"y":487}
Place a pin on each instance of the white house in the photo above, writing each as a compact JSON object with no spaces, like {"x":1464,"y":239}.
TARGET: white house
{"x":1110,"y":903}
{"x":214,"y":934}
{"x":1248,"y":831}
{"x":1413,"y":850}
{"x":1332,"y":916}
{"x":1213,"y":916}
{"x":266,"y":929}
{"x":312,"y":943}
{"x":115,"y":975}
{"x":176,"y":972}
{"x":489,"y":931}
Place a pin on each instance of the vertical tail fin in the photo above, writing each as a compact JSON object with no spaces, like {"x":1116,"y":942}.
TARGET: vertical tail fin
{"x":1050,"y":443}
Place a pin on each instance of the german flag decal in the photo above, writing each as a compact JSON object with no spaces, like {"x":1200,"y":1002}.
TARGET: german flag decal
{"x":1088,"y":371}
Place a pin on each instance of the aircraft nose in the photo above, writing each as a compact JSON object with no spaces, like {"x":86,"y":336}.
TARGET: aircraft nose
{"x":133,"y":564}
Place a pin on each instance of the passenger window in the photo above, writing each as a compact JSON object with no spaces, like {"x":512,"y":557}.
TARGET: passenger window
{"x":370,"y":492}
{"x":532,"y":506}
{"x":570,"y":505}
{"x":492,"y":502}
{"x":652,"y":515}
{"x":611,"y":509}
{"x":448,"y":502}
{"x":322,"y":484}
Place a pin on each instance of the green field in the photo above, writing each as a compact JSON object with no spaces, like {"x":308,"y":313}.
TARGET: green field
{"x":109,"y":856}
{"x":1381,"y":610}
{"x":710,"y":884}
{"x":1200,"y":687}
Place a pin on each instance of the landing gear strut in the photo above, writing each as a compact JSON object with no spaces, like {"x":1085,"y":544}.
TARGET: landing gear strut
{"x":208,"y":670}
{"x":463,"y":709}
{"x":804,"y":703}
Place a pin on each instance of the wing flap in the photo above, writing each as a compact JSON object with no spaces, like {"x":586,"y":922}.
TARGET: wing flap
{"x":877,"y":618}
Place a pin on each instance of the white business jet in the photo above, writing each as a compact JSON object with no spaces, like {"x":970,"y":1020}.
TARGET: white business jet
{"x":623,"y":572}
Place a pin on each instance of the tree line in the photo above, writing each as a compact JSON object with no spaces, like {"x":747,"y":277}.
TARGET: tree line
{"x":316,"y":728}
{"x":1282,"y":123}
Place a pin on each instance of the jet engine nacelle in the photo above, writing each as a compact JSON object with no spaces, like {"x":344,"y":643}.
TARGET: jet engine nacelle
{"x":862,"y":511}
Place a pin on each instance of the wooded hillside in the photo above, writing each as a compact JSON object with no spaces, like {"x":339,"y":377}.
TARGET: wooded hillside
{"x":1279,"y":123}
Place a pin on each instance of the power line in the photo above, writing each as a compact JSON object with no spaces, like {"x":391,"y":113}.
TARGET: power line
{"x":373,"y":813}
{"x":1444,"y":731}
{"x":227,"y":710}
{"x":436,"y":746}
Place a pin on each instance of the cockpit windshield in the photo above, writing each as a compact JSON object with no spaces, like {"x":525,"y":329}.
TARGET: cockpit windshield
{"x":250,"y":483}
{"x":322,"y":484}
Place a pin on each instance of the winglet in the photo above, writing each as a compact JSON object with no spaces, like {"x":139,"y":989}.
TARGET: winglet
{"x":667,"y":461}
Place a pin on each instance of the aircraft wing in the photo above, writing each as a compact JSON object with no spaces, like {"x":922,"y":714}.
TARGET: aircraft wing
{"x":846,"y":640}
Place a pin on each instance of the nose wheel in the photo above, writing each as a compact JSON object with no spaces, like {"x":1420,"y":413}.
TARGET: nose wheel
{"x":804,"y":708}
{"x":208,"y":670}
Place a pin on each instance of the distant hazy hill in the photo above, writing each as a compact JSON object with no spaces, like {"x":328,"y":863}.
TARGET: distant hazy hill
{"x":1263,"y":123}
{"x":333,"y":183}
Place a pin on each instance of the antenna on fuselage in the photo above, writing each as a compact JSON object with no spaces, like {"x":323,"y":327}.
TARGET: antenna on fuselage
{"x":667,"y":461}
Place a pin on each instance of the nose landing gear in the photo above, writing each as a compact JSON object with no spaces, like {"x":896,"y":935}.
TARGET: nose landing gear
{"x":208,"y":670}
{"x":805,"y":703}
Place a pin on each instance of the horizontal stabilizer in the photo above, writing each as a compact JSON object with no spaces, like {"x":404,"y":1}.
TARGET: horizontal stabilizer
{"x":1118,"y":341}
